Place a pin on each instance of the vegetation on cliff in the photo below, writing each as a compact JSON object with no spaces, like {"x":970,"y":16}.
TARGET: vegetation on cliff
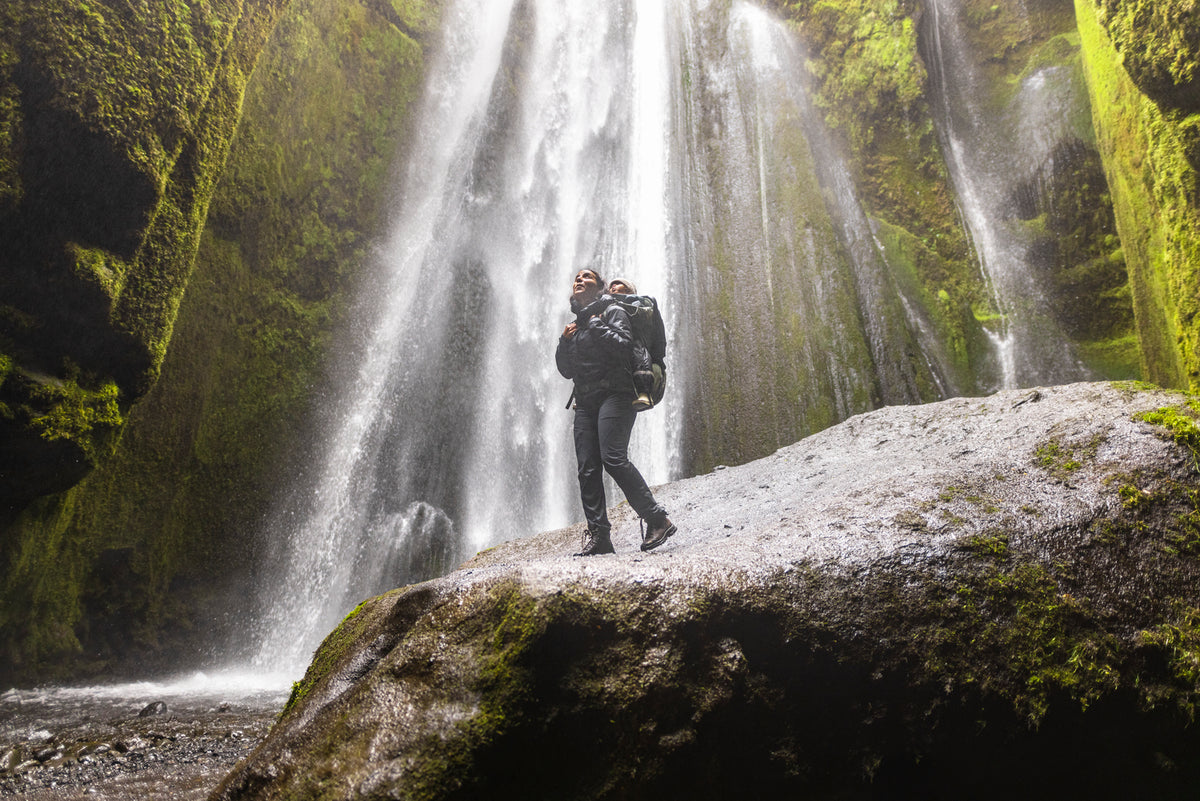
{"x":115,"y":120}
{"x":871,"y":82}
{"x":127,"y":561}
{"x":870,"y":71}
{"x":1143,"y":80}
{"x":1156,"y":42}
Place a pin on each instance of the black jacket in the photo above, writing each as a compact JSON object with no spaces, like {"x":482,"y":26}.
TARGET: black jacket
{"x":600,"y":356}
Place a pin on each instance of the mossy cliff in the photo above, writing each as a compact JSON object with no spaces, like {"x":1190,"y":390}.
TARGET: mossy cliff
{"x":869,"y":66}
{"x":872,"y":85}
{"x":908,"y":604}
{"x":129,"y":560}
{"x":871,"y":63}
{"x":1143,"y":67}
{"x":115,"y":120}
{"x":769,"y":270}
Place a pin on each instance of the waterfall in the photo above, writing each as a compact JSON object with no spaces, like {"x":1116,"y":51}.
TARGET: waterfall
{"x":668,"y":142}
{"x":990,"y":152}
{"x":805,"y":326}
{"x":452,"y":433}
{"x":891,"y":328}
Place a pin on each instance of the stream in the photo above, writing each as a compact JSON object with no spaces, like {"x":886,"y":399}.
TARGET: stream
{"x":174,"y":739}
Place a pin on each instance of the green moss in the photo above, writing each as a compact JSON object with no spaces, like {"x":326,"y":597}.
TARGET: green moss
{"x":1056,"y":459}
{"x":301,"y":193}
{"x":1060,"y":459}
{"x":133,"y":109}
{"x":504,"y":685}
{"x":994,"y":544}
{"x":945,"y":291}
{"x":1068,"y":218}
{"x":76,"y":411}
{"x":1134,"y":387}
{"x":108,"y":66}
{"x":332,"y":651}
{"x":40,"y":597}
{"x":1032,"y":635}
{"x":1168,"y":507}
{"x":1180,"y":423}
{"x":1116,"y":357}
{"x":1156,"y":42}
{"x":1155,"y":189}
{"x":870,"y":82}
{"x":11,"y":125}
{"x":1179,"y":642}
{"x":80,"y":415}
{"x":6,"y":368}
{"x":867,"y":59}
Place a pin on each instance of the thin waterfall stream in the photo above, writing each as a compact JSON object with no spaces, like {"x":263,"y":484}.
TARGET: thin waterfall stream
{"x":989,"y":153}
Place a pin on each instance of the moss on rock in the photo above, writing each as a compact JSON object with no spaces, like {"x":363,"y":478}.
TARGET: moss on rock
{"x":115,"y":119}
{"x":840,"y":644}
{"x":871,"y":82}
{"x":1156,"y":43}
{"x":1181,"y":425}
{"x":288,"y":229}
{"x":1147,"y":150}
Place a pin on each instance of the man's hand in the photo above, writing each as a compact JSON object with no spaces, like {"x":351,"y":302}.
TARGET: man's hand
{"x":569,"y":331}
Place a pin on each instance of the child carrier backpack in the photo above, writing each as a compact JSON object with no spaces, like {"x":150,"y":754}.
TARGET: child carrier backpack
{"x":648,"y":329}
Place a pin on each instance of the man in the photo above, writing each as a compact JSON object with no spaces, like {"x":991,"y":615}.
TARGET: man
{"x":596,"y":350}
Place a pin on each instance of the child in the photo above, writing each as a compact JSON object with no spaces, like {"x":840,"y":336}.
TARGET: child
{"x":643,"y":373}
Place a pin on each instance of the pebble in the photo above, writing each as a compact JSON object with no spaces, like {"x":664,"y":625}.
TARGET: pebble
{"x":154,"y":708}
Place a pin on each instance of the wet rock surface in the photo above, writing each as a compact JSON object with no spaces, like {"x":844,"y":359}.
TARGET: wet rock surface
{"x":98,"y":749}
{"x":978,"y":598}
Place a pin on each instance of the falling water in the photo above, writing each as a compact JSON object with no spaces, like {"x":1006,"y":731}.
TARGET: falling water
{"x":989,"y":155}
{"x":534,"y":161}
{"x":804,"y":323}
{"x":556,"y":136}
{"x":778,"y":60}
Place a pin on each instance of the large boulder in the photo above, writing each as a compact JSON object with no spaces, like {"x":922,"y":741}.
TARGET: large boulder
{"x":968,"y":599}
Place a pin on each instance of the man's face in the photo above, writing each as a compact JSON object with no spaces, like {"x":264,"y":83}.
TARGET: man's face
{"x":585,"y":286}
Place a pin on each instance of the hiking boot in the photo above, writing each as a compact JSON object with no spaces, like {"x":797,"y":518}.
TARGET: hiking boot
{"x":595,"y":542}
{"x":642,"y":402}
{"x":657,"y":533}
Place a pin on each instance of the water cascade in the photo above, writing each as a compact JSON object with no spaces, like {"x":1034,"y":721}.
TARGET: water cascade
{"x":804,"y":325}
{"x":993,"y":146}
{"x":665,"y":142}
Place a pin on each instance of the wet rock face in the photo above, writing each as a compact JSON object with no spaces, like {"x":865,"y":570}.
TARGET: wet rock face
{"x":1157,"y":43}
{"x":115,"y":118}
{"x":965,"y":599}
